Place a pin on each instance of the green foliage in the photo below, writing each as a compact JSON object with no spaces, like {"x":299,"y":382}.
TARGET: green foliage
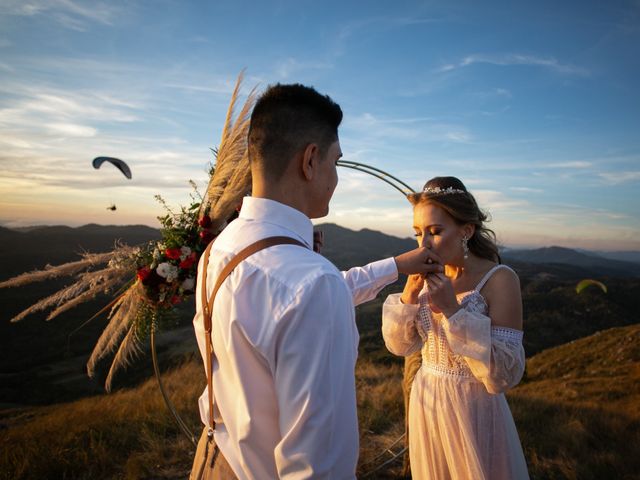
{"x":181,"y":228}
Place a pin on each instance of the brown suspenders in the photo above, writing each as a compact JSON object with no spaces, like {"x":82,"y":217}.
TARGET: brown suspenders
{"x":207,"y":304}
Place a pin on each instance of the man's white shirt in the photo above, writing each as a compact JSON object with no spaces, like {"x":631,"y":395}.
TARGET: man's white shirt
{"x":285,"y":346}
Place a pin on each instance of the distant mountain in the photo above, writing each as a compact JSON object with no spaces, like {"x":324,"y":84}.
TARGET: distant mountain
{"x":7,"y":233}
{"x":28,"y":248}
{"x":347,"y":248}
{"x":632,"y":256}
{"x":561,"y":255}
{"x":553,"y":312}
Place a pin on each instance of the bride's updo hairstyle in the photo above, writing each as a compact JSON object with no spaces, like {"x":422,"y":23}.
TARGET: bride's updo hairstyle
{"x":450,"y":194}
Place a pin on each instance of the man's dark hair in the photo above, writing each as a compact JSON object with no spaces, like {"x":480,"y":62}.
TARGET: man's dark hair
{"x":285,"y":119}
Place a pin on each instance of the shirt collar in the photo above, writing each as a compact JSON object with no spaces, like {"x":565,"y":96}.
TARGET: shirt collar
{"x":271,"y":211}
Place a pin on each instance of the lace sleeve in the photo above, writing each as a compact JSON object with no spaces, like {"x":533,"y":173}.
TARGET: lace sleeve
{"x":398,"y":326}
{"x":507,"y":359}
{"x":494,"y":354}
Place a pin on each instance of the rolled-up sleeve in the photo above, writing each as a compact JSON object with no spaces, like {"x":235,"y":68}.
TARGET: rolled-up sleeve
{"x":398,"y":326}
{"x":314,"y":379}
{"x":495,"y":355}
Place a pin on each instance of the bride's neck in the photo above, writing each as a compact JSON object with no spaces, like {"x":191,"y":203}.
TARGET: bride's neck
{"x":470,"y":266}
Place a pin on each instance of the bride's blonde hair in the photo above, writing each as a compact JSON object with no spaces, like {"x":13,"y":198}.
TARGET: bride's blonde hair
{"x":450,"y":194}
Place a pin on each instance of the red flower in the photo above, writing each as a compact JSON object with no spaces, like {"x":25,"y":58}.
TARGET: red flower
{"x":188,"y":262}
{"x":143,"y":274}
{"x":205,"y":222}
{"x":206,"y":236}
{"x":172,"y":253}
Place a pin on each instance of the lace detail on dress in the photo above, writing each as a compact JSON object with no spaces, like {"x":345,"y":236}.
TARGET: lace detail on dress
{"x":506,"y":333}
{"x":436,"y":353}
{"x":423,"y":321}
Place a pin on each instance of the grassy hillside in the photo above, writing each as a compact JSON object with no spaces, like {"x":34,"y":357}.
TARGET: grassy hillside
{"x":578,"y":411}
{"x":130,"y":434}
{"x":578,"y":415}
{"x":554,"y":314}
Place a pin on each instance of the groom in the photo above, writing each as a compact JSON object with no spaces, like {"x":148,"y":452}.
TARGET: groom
{"x":284,"y":334}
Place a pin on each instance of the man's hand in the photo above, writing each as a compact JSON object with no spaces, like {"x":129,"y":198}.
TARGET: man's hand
{"x":421,"y":261}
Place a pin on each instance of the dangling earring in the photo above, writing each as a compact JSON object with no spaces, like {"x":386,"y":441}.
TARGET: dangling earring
{"x":465,"y":247}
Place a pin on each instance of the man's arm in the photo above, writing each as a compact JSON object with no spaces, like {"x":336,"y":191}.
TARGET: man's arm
{"x":366,"y":282}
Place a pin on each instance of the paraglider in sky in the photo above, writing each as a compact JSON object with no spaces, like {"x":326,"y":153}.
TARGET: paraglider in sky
{"x":582,"y":284}
{"x":119,"y":164}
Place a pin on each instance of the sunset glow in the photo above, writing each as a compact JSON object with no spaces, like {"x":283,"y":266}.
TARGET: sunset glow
{"x":535,"y":107}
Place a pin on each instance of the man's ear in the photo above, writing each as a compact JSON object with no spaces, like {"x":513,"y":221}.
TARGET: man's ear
{"x":310,"y":160}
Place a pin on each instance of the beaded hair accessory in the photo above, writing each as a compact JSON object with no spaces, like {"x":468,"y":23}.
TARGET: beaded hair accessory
{"x":442,"y":191}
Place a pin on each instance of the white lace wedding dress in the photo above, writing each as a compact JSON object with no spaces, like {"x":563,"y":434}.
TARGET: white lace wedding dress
{"x":460,"y":425}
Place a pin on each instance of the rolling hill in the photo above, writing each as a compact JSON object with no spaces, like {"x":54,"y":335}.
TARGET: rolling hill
{"x":560,"y":255}
{"x":34,"y":247}
{"x":578,"y":409}
{"x":577,"y":414}
{"x":554,"y":314}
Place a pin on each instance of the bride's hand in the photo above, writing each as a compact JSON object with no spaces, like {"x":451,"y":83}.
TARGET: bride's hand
{"x":412,"y":289}
{"x":442,"y":297}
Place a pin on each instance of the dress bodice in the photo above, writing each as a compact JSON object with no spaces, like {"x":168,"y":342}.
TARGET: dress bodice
{"x":436,"y":353}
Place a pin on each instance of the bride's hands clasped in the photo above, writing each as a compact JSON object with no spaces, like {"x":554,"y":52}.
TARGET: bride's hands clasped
{"x":442,"y":297}
{"x":431,"y":263}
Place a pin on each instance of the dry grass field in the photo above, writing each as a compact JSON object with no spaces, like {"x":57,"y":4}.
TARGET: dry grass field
{"x":577,"y":409}
{"x":578,"y":414}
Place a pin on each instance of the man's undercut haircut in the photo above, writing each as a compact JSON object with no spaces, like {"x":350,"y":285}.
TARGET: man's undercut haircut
{"x":285,"y":120}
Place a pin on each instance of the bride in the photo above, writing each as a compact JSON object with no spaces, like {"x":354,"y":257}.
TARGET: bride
{"x":467,"y":322}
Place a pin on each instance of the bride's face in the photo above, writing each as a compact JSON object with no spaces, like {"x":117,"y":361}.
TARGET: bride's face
{"x":438,"y":231}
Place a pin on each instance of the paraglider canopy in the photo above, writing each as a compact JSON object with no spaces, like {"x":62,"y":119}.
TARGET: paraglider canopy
{"x":119,"y":164}
{"x":582,"y":284}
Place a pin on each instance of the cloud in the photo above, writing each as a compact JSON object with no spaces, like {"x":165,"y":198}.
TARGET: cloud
{"x":381,"y":24}
{"x":615,"y":178}
{"x":526,"y":190}
{"x":290,"y":66}
{"x":363,"y":29}
{"x":422,"y":129}
{"x":68,"y":13}
{"x":570,"y":164}
{"x":71,"y":130}
{"x":158,"y":169}
{"x":55,"y":108}
{"x":494,"y":93}
{"x":517,"y":59}
{"x":494,"y":200}
{"x":219,"y":88}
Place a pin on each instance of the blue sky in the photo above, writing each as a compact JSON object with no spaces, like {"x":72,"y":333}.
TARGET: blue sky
{"x":534,"y":105}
